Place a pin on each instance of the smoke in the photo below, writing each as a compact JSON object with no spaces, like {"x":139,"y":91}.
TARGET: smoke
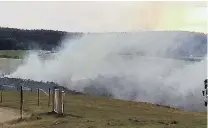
{"x":132,"y":66}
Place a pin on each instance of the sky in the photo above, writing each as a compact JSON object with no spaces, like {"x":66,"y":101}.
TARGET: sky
{"x":105,"y":16}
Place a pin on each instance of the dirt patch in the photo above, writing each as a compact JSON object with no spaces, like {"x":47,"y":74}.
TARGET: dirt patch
{"x":7,"y":114}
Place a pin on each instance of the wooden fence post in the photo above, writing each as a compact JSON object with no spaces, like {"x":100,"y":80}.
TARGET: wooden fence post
{"x":1,"y":95}
{"x":21,"y":102}
{"x":53,"y":99}
{"x":49,"y":97}
{"x":38,"y":96}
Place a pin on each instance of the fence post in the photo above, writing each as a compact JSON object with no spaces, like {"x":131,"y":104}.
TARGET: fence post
{"x":63,"y":100}
{"x":53,"y":99}
{"x":21,"y":102}
{"x":205,"y":92}
{"x":1,"y":95}
{"x":38,"y":96}
{"x":49,"y":96}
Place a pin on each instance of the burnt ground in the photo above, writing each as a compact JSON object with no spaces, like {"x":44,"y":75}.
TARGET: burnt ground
{"x":30,"y":85}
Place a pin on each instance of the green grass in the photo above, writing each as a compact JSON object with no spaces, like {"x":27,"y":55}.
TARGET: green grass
{"x":20,"y":54}
{"x":99,"y":112}
{"x":15,"y":54}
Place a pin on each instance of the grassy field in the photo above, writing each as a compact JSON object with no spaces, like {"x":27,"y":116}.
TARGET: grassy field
{"x":98,"y":112}
{"x":11,"y":59}
{"x":8,"y":65}
{"x":15,"y":54}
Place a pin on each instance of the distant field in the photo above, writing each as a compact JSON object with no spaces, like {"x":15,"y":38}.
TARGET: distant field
{"x":20,"y":54}
{"x":15,"y":54}
{"x":8,"y":65}
{"x":98,"y":112}
{"x":11,"y":59}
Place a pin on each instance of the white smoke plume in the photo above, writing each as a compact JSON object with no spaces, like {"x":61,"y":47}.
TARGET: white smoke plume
{"x":126,"y":66}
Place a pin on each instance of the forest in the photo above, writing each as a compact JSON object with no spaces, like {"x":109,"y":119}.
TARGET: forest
{"x":21,"y":39}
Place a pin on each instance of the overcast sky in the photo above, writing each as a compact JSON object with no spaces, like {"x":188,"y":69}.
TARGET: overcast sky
{"x":105,"y":16}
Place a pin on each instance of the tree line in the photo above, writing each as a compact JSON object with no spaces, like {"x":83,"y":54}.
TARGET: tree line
{"x":21,"y":39}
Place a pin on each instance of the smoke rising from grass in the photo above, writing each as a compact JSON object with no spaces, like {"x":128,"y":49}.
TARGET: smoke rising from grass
{"x":134,"y":66}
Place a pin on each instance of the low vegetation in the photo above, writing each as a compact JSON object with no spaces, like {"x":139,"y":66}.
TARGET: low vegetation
{"x":21,"y":54}
{"x":83,"y":111}
{"x":14,"y":54}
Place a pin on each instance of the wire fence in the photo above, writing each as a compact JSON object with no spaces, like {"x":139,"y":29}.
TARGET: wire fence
{"x":23,"y":98}
{"x":15,"y":93}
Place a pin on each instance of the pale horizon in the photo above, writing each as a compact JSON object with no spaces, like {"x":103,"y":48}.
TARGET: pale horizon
{"x":105,"y":16}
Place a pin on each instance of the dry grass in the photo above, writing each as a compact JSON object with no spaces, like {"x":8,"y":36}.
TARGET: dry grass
{"x":99,"y":112}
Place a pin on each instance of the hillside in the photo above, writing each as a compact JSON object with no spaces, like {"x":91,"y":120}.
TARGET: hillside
{"x":145,"y":66}
{"x":186,"y":43}
{"x":140,"y":66}
{"x":99,"y":112}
